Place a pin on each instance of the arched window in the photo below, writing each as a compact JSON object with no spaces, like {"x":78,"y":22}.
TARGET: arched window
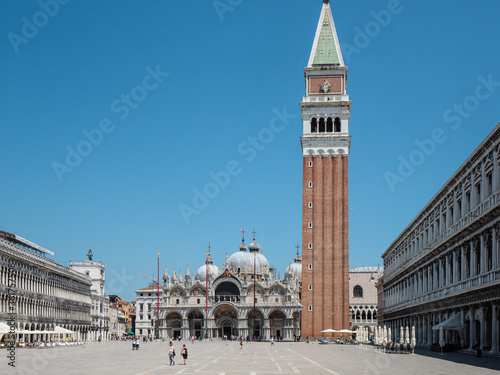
{"x":314,"y":125}
{"x":337,"y":125}
{"x":321,"y":125}
{"x":329,"y":125}
{"x":357,"y":291}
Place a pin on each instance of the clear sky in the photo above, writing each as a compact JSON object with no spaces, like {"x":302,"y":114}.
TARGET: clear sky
{"x":114,"y":113}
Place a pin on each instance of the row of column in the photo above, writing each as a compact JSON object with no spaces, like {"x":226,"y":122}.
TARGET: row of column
{"x":460,"y":264}
{"x":457,"y":206}
{"x":477,"y":330}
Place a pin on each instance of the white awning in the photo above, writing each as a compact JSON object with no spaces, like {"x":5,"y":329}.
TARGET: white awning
{"x":4,"y":328}
{"x":58,"y":329}
{"x":453,"y":323}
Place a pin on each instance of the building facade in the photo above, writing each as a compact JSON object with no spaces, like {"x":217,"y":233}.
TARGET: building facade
{"x":363,"y":298}
{"x":99,"y":312}
{"x":43,"y":299}
{"x":325,"y":214}
{"x":444,"y":267}
{"x":146,"y":303}
{"x":245,"y":298}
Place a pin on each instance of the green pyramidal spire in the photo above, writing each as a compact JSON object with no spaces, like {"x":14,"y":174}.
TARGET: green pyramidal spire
{"x":326,"y":48}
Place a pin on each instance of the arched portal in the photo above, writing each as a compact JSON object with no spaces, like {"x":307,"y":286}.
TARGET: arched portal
{"x":255,"y":324}
{"x":277,"y":324}
{"x":174,"y":324}
{"x":195,"y":319}
{"x":226,"y":321}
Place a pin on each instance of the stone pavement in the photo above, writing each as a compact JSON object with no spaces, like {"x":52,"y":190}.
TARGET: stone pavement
{"x":219,"y":357}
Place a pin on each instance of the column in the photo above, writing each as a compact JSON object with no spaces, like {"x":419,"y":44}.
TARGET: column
{"x":494,"y":248}
{"x":462,"y":332}
{"x":455,"y":256}
{"x":472,"y":260}
{"x":482,"y":319}
{"x":433,"y":278}
{"x":482,"y":257}
{"x":496,"y":175}
{"x":463,"y":263}
{"x":447,"y":269}
{"x":494,"y":327}
{"x":472,"y":337}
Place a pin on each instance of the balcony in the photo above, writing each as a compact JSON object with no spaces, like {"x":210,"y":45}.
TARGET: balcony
{"x":466,"y":220}
{"x":455,"y":288}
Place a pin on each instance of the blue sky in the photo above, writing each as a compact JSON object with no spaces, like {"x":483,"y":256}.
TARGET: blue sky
{"x":161,"y":96}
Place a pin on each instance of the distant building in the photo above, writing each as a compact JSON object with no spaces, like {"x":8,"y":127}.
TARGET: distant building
{"x":444,"y":267}
{"x":48,"y":298}
{"x":363,"y":299}
{"x":146,"y":312}
{"x":100,"y":302}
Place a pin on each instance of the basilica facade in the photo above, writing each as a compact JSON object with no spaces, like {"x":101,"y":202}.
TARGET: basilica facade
{"x":244,"y":298}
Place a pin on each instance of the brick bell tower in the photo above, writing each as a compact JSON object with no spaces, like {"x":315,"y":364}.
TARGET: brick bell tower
{"x":325,"y":143}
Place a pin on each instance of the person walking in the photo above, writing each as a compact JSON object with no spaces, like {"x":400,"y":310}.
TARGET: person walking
{"x":171,"y":354}
{"x":241,"y":342}
{"x":272,"y":341}
{"x":184,"y":353}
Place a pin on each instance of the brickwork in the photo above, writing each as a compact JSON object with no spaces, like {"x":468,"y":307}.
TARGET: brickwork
{"x":325,"y":287}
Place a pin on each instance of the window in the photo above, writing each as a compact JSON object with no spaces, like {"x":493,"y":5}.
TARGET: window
{"x":357,"y":291}
{"x":489,"y":178}
{"x":309,"y":287}
{"x":309,"y":308}
{"x":276,"y":300}
{"x":329,"y":125}
{"x":198,"y":301}
{"x":337,"y":125}
{"x":321,"y":125}
{"x":310,"y":267}
{"x":314,"y":125}
{"x":310,"y":184}
{"x":177,"y":301}
{"x":310,"y":163}
{"x":310,"y":225}
{"x":310,"y":204}
{"x":310,"y":245}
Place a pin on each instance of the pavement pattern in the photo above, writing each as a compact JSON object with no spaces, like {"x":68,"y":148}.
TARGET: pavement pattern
{"x":226,"y":358}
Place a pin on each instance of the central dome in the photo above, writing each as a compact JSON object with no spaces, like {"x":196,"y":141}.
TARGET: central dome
{"x":243,"y":262}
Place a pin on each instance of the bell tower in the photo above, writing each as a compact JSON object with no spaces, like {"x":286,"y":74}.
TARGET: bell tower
{"x":325,"y":143}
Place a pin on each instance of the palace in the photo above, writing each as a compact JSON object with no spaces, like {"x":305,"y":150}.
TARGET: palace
{"x":444,"y":268}
{"x":245,"y":298}
{"x":47,"y":301}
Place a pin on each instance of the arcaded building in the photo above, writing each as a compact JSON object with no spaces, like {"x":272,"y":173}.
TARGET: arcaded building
{"x":444,"y":267}
{"x":244,"y":298}
{"x":363,"y":298}
{"x":42,"y":299}
{"x":325,"y":144}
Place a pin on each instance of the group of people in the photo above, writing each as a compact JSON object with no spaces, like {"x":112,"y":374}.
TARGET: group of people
{"x":171,"y":353}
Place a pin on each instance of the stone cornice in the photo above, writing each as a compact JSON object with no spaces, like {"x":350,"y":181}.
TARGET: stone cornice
{"x":27,"y":257}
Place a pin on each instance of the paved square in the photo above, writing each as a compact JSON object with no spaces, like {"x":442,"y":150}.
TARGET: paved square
{"x":218,"y":357}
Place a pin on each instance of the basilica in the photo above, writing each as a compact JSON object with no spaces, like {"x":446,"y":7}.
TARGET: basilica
{"x":244,"y":298}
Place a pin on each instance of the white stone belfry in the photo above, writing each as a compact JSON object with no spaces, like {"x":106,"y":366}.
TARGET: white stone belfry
{"x":326,"y":108}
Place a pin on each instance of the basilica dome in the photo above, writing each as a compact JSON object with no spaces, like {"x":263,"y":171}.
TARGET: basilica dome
{"x":214,"y":271}
{"x":242,"y":261}
{"x":294,"y":269}
{"x":201,"y":274}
